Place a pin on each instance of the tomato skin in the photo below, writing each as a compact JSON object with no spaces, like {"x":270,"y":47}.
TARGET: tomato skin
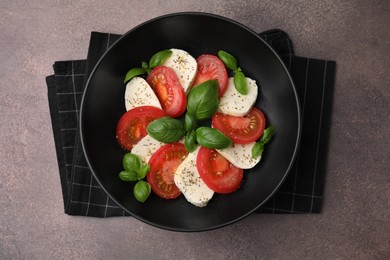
{"x":168,"y":89}
{"x":163,"y":165}
{"x":131,"y":127}
{"x":217,"y":172}
{"x":211,"y":67}
{"x":241,"y":129}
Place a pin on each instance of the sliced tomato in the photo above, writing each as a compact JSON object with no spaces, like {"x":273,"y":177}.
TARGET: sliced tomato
{"x":211,"y":67}
{"x":168,"y":89}
{"x":241,"y":129}
{"x":163,"y":165}
{"x":217,"y":172}
{"x":131,"y":127}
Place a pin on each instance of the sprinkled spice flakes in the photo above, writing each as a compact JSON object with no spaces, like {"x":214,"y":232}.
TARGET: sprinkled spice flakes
{"x":146,"y":148}
{"x":184,"y":65}
{"x":235,"y":104}
{"x":240,"y":155}
{"x":139,"y":93}
{"x":188,"y":180}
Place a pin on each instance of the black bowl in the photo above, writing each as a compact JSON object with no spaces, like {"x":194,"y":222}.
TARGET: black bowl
{"x":198,"y":33}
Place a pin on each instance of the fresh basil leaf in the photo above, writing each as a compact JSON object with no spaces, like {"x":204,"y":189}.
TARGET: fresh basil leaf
{"x":144,"y":169}
{"x":257,"y":150}
{"x":190,"y":141}
{"x":228,"y":59}
{"x":144,"y":65}
{"x":128,"y":176}
{"x":141,"y":191}
{"x":240,"y":82}
{"x":267,"y":135}
{"x":189,"y":122}
{"x":166,"y":129}
{"x":159,"y":57}
{"x":133,"y":73}
{"x":212,"y":138}
{"x":202,"y":100}
{"x":131,"y":162}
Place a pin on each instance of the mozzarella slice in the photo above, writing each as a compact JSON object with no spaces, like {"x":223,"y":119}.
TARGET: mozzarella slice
{"x":184,"y":65}
{"x":139,"y":93}
{"x":189,"y":182}
{"x":240,"y":155}
{"x":146,"y":147}
{"x":235,"y":104}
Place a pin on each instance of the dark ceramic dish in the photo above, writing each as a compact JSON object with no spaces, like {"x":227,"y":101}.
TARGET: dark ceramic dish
{"x":197,"y":33}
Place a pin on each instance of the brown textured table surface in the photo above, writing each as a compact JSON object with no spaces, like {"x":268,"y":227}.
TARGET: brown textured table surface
{"x":355,"y":220}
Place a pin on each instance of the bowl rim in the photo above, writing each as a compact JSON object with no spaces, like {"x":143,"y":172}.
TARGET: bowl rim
{"x":171,"y":15}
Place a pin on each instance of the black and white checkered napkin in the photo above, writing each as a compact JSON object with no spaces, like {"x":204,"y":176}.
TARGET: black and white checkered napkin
{"x":302,"y":191}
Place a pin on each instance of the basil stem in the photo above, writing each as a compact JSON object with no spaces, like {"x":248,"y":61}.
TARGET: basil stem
{"x":133,"y":73}
{"x":228,"y":59}
{"x":159,"y":58}
{"x":240,"y":82}
{"x":166,"y":129}
{"x":212,"y":138}
{"x":202,"y":100}
{"x":141,"y":190}
{"x":258,"y":148}
{"x":190,"y":141}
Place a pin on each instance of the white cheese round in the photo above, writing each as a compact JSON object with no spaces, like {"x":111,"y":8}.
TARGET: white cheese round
{"x":189,"y":182}
{"x":184,"y":65}
{"x":240,"y":155}
{"x":139,"y":93}
{"x":235,"y":104}
{"x":146,"y":147}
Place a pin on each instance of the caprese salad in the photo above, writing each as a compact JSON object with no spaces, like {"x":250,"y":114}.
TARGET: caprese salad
{"x":165,"y":100}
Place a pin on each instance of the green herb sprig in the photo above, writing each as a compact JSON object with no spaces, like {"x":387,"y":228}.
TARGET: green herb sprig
{"x":156,"y":60}
{"x":136,"y":170}
{"x":239,"y":77}
{"x":258,"y":148}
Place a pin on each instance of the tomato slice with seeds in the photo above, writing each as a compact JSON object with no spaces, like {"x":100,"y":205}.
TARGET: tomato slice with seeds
{"x":132,"y":125}
{"x":168,"y":89}
{"x":241,"y":129}
{"x":211,"y":67}
{"x":217,"y":172}
{"x":163,"y":165}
